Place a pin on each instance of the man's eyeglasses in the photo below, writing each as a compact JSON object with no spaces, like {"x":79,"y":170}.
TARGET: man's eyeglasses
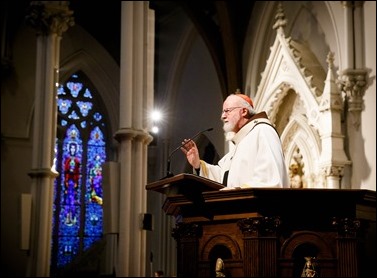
{"x":228,"y":110}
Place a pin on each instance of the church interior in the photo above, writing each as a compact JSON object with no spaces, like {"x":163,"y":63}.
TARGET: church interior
{"x":80,"y":86}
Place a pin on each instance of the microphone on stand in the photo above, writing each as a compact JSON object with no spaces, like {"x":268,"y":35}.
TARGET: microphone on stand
{"x":168,"y":172}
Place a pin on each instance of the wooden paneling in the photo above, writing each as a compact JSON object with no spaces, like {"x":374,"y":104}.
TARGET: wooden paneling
{"x":269,"y":232}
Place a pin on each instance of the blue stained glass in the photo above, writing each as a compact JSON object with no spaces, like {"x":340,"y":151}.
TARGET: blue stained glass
{"x":87,"y":94}
{"x":53,"y":219}
{"x":81,"y":152}
{"x":64,"y":105}
{"x":94,"y":219}
{"x":96,"y":137}
{"x":75,"y":88}
{"x":71,"y":182}
{"x":73,"y":115}
{"x":96,"y":158}
{"x":69,"y":221}
{"x":97,"y":116}
{"x":68,"y":248}
{"x":84,"y":107}
{"x":61,"y":91}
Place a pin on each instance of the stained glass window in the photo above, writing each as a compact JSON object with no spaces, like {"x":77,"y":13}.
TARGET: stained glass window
{"x":80,"y":152}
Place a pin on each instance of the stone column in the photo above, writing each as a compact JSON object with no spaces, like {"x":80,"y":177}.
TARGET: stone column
{"x":50,"y":19}
{"x":354,"y":77}
{"x":354,"y":82}
{"x":136,"y":100}
{"x":333,"y":157}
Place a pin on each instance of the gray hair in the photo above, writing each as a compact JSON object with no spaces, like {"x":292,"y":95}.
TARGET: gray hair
{"x":247,"y":105}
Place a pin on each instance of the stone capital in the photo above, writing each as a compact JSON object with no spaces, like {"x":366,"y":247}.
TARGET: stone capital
{"x":50,"y":17}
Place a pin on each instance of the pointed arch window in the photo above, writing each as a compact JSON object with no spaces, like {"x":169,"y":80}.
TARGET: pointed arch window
{"x":80,"y":152}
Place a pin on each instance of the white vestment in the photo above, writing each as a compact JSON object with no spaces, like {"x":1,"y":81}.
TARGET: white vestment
{"x":256,"y":159}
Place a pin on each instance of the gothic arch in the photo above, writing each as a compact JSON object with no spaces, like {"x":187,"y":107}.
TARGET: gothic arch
{"x":272,"y":97}
{"x":298,"y":135}
{"x":290,"y":91}
{"x":223,"y":240}
{"x":101,"y":73}
{"x":294,"y":112}
{"x":290,"y":245}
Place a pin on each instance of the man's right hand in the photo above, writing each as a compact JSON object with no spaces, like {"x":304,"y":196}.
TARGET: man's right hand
{"x":191,"y":151}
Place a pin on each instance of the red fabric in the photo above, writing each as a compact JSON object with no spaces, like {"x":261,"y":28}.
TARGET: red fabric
{"x":245,"y":97}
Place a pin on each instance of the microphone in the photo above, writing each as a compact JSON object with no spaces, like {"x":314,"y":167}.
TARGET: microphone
{"x":170,"y":174}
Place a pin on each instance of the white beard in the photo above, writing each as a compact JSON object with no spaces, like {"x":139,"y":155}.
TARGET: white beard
{"x":229,"y":134}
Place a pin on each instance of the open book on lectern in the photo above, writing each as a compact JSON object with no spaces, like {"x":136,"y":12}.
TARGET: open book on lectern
{"x":184,"y":183}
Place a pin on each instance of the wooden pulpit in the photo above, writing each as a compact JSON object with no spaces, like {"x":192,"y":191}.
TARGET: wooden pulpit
{"x":267,"y":232}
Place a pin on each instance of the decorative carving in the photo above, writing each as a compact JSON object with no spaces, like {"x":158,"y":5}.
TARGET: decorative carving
{"x":333,"y":171}
{"x":186,"y":230}
{"x":332,"y":175}
{"x":50,"y":18}
{"x":346,"y":226}
{"x":259,"y":225}
{"x":281,"y":22}
{"x":353,"y":82}
{"x":331,"y":98}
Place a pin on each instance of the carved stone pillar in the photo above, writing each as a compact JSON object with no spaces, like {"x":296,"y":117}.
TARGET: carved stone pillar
{"x":50,"y":19}
{"x":333,"y":175}
{"x":260,"y":246}
{"x":353,"y":82}
{"x":333,"y":157}
{"x":347,"y":246}
{"x":187,"y":236}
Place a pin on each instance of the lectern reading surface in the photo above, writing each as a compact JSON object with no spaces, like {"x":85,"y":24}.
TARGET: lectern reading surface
{"x":184,"y":184}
